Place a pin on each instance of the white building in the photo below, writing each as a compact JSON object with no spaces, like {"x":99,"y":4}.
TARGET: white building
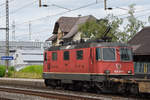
{"x":24,"y":53}
{"x":24,"y":58}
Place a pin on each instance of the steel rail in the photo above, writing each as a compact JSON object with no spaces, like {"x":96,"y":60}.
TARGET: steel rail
{"x":54,"y":95}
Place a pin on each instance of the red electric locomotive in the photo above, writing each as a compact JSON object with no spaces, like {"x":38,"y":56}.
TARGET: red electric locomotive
{"x":89,"y":66}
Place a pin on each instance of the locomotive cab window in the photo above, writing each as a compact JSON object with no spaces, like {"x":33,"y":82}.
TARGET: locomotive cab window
{"x":45,"y":56}
{"x":109,"y":54}
{"x":98,"y":54}
{"x":66,"y":55}
{"x":125,"y":54}
{"x":79,"y":54}
{"x":54,"y":56}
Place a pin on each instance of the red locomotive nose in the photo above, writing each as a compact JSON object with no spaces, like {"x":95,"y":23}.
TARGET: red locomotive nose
{"x":118,"y":66}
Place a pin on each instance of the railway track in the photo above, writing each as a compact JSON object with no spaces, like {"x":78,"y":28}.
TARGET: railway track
{"x":61,"y":95}
{"x":30,"y":87}
{"x":48,"y":94}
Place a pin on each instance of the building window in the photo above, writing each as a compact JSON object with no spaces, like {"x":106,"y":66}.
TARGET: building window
{"x":109,"y":54}
{"x":79,"y":55}
{"x":45,"y":56}
{"x":54,"y":56}
{"x":66,"y":55}
{"x":98,"y":53}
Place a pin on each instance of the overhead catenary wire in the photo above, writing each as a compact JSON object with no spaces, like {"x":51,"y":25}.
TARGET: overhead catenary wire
{"x":79,"y":8}
{"x":25,"y":6}
{"x":67,"y":11}
{"x":3,"y":4}
{"x":139,"y":11}
{"x":143,"y":15}
{"x":61,"y":13}
{"x":61,"y":7}
{"x":36,"y":32}
{"x":33,"y":33}
{"x":16,"y":10}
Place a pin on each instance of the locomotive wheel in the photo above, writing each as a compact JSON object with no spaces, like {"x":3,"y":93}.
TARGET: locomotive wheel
{"x":121,"y":89}
{"x":100,"y":87}
{"x":134,"y":89}
{"x":98,"y":91}
{"x":85,"y":87}
{"x":70,"y":87}
{"x":46,"y":82}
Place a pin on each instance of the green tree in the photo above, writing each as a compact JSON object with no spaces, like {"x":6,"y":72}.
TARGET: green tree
{"x":97,"y":29}
{"x":133,"y":25}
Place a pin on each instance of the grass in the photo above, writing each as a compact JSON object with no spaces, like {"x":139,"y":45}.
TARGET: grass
{"x":2,"y":70}
{"x":33,"y":71}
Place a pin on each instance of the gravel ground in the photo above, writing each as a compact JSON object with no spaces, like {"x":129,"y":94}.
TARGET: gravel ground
{"x":13,"y":96}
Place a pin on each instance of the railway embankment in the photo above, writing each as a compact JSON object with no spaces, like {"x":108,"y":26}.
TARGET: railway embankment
{"x":34,"y":89}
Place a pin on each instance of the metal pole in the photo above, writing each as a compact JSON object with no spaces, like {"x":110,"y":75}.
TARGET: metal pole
{"x":105,"y":5}
{"x":40,"y":3}
{"x":7,"y":35}
{"x":13,"y":31}
{"x":29,"y":30}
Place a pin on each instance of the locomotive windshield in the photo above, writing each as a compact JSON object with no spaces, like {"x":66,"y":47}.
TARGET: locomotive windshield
{"x":125,"y":54}
{"x":109,"y":54}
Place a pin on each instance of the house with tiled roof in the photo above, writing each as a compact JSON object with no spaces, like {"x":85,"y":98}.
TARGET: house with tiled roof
{"x":66,"y":29}
{"x":141,"y":53}
{"x":141,"y":44}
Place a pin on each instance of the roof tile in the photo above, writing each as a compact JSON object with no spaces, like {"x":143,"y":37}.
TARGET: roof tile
{"x":141,"y":42}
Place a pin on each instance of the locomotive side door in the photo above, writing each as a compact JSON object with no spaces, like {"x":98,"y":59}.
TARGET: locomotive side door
{"x":81,"y":59}
{"x":46,"y":63}
{"x":91,"y":61}
{"x":95,"y":60}
{"x":54,"y":61}
{"x":66,"y":61}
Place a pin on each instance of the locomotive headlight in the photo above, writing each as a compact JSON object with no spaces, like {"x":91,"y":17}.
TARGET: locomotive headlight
{"x":107,"y":71}
{"x":130,"y":72}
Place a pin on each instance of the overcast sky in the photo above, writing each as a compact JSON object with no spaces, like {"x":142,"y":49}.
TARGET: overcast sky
{"x":42,"y":20}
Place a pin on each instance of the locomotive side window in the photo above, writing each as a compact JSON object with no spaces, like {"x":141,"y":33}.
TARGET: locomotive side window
{"x":66,"y":55}
{"x":125,"y":54}
{"x":109,"y":54}
{"x":79,"y":55}
{"x":45,"y":56}
{"x":98,"y":53}
{"x":54,"y":56}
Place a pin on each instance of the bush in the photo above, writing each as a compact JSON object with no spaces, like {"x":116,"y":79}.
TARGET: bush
{"x":2,"y":70}
{"x":11,"y":68}
{"x":10,"y":73}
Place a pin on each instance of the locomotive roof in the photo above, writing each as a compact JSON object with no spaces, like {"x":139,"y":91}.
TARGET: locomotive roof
{"x":87,"y":45}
